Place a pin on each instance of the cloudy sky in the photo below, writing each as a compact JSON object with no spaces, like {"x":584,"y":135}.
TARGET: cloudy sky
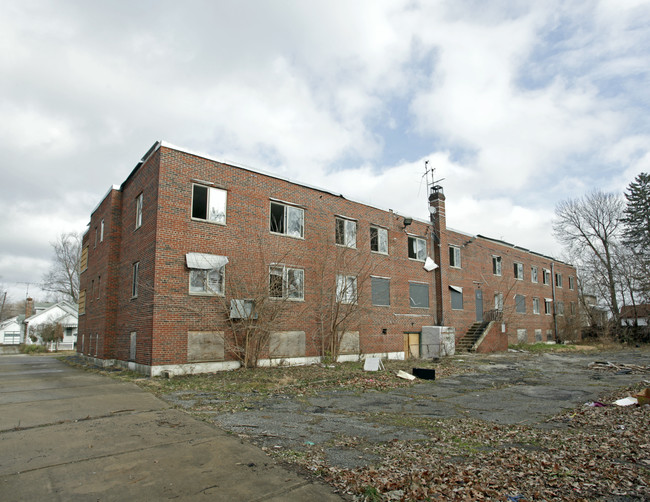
{"x":516,"y":104}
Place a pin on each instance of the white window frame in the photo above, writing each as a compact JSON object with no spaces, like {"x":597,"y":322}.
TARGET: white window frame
{"x":379,"y":240}
{"x":288,"y":210}
{"x":546,"y":277}
{"x":139,"y":204}
{"x":498,"y":301}
{"x":454,"y":256}
{"x":208,"y":277}
{"x":419,"y":246}
{"x":214,"y":213}
{"x":497,"y":264}
{"x":285,"y":272}
{"x":101,"y":231}
{"x":348,"y":237}
{"x":536,"y":306}
{"x":558,"y":280}
{"x":534,"y":274}
{"x":571,"y":283}
{"x":518,"y":269}
{"x":548,"y":306}
{"x":346,"y":289}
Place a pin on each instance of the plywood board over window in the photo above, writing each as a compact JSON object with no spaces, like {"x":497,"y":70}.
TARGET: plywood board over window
{"x":349,"y":343}
{"x":287,"y":344}
{"x":205,"y":346}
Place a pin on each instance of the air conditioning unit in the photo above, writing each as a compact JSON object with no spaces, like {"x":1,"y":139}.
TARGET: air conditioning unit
{"x":242,"y":309}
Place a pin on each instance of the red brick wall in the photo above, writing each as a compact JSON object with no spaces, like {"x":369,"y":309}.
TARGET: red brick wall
{"x":164,"y":311}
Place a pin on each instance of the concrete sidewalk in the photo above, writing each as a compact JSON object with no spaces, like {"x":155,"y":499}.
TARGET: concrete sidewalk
{"x":70,"y":435}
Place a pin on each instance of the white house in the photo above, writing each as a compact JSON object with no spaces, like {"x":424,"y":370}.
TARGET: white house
{"x":63,"y":313}
{"x":10,"y":331}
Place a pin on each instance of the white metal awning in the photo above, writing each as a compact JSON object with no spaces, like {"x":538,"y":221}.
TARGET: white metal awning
{"x":204,"y":261}
{"x":456,"y":288}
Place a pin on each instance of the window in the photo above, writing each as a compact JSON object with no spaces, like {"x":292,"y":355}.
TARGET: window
{"x":498,"y":301}
{"x":92,"y":289}
{"x":454,"y":256}
{"x":379,"y":240}
{"x":101,"y":231}
{"x":209,"y":204}
{"x":419,"y":295}
{"x":132,"y":345}
{"x":99,"y":287}
{"x":546,"y":276}
{"x":417,"y":248}
{"x":346,"y":232}
{"x":380,"y":287}
{"x":134,"y":281}
{"x":207,"y":273}
{"x":533,"y":274}
{"x":82,"y":302}
{"x":573,"y":308}
{"x":558,"y":280}
{"x":520,"y":304}
{"x":456,"y":297}
{"x":286,"y":282}
{"x":519,"y":271}
{"x":96,"y":237}
{"x":496,"y":265}
{"x":83,"y":261}
{"x":535,"y":305}
{"x":547,"y":306}
{"x":138,"y":210}
{"x":346,"y":289}
{"x":560,"y":308}
{"x":571,"y":283}
{"x":287,"y":220}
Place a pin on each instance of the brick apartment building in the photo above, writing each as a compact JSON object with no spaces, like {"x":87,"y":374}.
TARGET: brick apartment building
{"x":190,"y":254}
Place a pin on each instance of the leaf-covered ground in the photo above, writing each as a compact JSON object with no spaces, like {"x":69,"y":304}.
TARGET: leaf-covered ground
{"x":587,"y":453}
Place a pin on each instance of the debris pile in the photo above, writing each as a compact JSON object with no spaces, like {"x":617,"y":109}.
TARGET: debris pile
{"x":619,"y":368}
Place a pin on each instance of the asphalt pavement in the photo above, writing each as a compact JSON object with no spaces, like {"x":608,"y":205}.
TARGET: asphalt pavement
{"x":67,"y":434}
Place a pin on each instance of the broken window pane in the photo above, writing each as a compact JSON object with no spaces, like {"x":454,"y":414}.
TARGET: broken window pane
{"x":209,"y":204}
{"x":294,"y":221}
{"x":275,"y":282}
{"x":379,"y":240}
{"x":346,"y":232}
{"x":295,"y":283}
{"x":346,"y":289}
{"x":277,"y":217}
{"x":417,"y":248}
{"x":287,"y":220}
{"x":208,"y":282}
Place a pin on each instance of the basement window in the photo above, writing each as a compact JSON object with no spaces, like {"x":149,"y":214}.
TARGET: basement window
{"x":209,"y":204}
{"x":417,"y":248}
{"x":286,"y":220}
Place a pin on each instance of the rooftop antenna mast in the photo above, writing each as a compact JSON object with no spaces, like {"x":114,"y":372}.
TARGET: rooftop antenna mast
{"x":432,"y":184}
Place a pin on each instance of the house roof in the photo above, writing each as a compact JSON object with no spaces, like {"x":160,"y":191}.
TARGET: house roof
{"x":68,"y":309}
{"x":9,"y":321}
{"x":635,"y":311}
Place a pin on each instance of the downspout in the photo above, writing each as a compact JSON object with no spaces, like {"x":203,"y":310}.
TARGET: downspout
{"x":554,"y":303}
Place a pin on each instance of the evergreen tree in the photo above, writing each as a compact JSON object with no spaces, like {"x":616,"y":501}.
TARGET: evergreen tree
{"x":637,"y":215}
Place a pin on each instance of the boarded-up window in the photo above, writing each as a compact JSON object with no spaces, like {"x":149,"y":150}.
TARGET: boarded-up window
{"x":287,"y":344}
{"x":522,"y":336}
{"x":205,"y":346}
{"x":380,"y":291}
{"x":349,"y":343}
{"x":82,"y":302}
{"x":418,"y":295}
{"x":83,"y":263}
{"x":456,"y":297}
{"x":538,"y":335}
{"x":133,"y":345}
{"x":520,"y":304}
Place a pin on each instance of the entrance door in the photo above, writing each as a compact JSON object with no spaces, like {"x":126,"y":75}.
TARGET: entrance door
{"x":478,"y":300}
{"x":411,"y":345}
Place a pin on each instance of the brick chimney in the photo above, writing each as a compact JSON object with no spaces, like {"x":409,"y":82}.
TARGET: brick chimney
{"x":439,"y":224}
{"x":29,"y":307}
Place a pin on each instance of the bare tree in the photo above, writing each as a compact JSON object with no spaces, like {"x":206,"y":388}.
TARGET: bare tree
{"x":344,"y":278}
{"x":51,"y":332}
{"x":63,"y":276}
{"x":590,"y":228}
